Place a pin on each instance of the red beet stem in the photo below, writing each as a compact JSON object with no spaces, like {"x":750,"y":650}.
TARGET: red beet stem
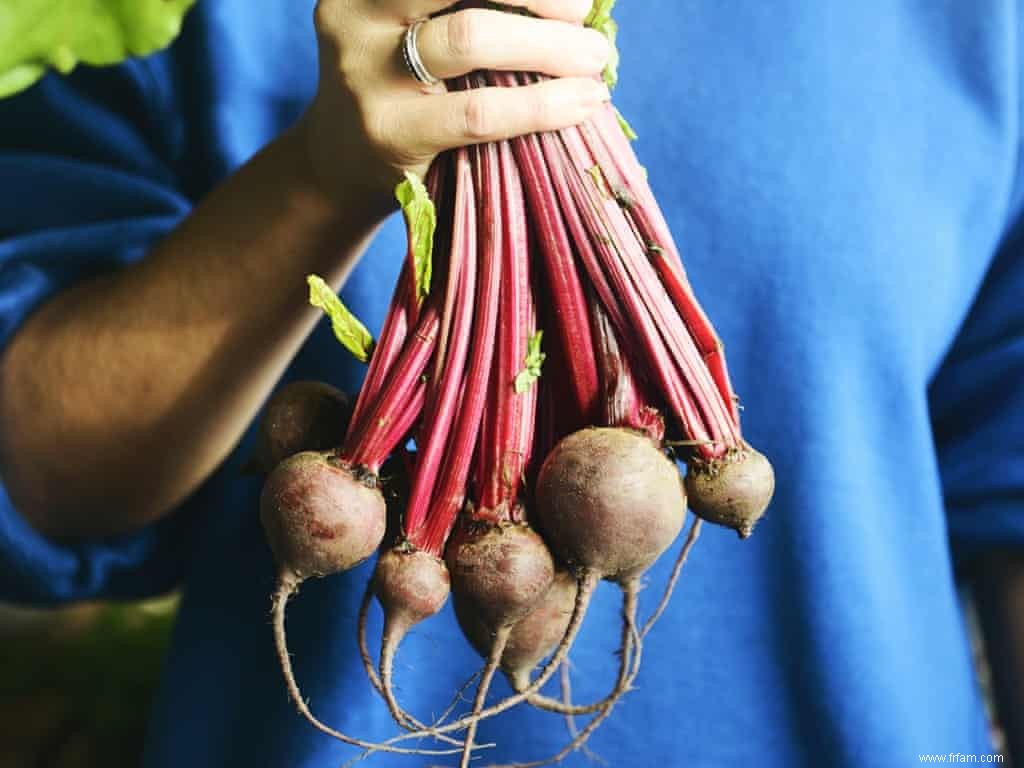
{"x":622,"y":403}
{"x":677,"y":338}
{"x":615,"y":156}
{"x":566,"y":292}
{"x":546,"y":434}
{"x":609,"y":223}
{"x":400,"y":400}
{"x":403,"y":312}
{"x":507,"y":434}
{"x":452,"y":350}
{"x":451,"y":486}
{"x":658,"y":357}
{"x":461,"y":245}
{"x":392,"y":337}
{"x":556,"y":158}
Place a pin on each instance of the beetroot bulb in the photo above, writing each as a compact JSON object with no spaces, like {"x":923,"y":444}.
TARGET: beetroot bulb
{"x":732,"y":491}
{"x":319,"y":520}
{"x":617,"y":485}
{"x":610,"y":502}
{"x":323,"y":512}
{"x":532,"y":638}
{"x":301,"y":416}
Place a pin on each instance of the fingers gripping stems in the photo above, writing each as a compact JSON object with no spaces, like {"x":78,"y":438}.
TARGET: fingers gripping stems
{"x":479,"y":39}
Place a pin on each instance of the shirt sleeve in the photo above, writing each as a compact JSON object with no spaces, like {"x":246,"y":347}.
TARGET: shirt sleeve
{"x":86,"y":187}
{"x":977,"y":401}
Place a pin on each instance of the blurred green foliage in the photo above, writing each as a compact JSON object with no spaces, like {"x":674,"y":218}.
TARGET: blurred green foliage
{"x":37,"y":35}
{"x":75,"y":685}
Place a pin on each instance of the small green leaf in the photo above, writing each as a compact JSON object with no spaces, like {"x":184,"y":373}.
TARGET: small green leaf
{"x":37,"y":35}
{"x":533,"y":362}
{"x":347,"y":329}
{"x":600,"y":18}
{"x":626,"y":127}
{"x":599,"y":10}
{"x":600,"y":181}
{"x":421,"y":221}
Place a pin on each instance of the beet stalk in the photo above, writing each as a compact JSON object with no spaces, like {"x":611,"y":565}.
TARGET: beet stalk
{"x":412,"y":583}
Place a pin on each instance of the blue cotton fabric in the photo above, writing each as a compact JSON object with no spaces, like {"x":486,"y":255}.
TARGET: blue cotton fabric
{"x":843,"y":179}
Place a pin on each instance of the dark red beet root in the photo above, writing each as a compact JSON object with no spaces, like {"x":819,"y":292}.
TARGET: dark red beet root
{"x":501,"y":569}
{"x":609,"y":502}
{"x":411,"y":586}
{"x":734,"y":491}
{"x":301,"y":416}
{"x":533,"y":637}
{"x":319,"y":518}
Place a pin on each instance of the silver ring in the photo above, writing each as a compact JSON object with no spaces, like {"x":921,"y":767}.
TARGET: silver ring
{"x":411,"y":54}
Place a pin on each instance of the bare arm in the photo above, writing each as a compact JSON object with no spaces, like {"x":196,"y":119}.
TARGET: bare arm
{"x":119,"y":397}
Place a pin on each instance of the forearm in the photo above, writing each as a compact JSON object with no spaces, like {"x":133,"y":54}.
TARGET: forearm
{"x":119,"y":397}
{"x":998,"y":587}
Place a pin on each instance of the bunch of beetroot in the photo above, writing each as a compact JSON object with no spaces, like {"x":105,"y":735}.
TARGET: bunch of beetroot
{"x":541,"y":343}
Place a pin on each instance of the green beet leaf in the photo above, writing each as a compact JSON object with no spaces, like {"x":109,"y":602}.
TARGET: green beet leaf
{"x":421,"y":221}
{"x":600,"y":18}
{"x":37,"y":35}
{"x":533,"y":362}
{"x":626,"y":127}
{"x":347,"y":329}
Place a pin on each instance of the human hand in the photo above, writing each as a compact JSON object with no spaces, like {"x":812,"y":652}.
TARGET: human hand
{"x":371,"y":119}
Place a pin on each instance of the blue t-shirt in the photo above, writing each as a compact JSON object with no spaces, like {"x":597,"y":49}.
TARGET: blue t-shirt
{"x":843,"y":180}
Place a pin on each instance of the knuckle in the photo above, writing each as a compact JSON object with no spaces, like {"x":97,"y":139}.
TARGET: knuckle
{"x":462,"y":33}
{"x":351,"y":68}
{"x":323,"y":15}
{"x":477,"y":116}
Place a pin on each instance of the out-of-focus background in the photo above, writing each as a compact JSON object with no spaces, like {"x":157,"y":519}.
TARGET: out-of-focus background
{"x":76,"y":683}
